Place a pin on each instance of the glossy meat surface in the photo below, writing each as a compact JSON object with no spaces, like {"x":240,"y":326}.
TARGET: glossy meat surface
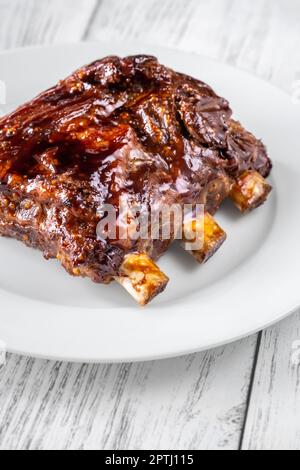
{"x":119,"y":128}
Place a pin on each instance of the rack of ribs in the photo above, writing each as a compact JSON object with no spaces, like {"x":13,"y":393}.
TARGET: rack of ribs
{"x":131,"y":129}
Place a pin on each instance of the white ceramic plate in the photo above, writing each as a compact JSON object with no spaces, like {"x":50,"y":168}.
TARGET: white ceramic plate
{"x":252,"y":282}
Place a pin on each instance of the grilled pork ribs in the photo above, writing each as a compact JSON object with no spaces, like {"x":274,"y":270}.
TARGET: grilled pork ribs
{"x":131,"y":129}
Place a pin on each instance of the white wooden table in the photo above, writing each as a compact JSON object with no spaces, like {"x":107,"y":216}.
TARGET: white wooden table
{"x":245,"y":395}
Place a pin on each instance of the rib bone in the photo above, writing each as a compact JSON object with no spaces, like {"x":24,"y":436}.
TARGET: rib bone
{"x":202,"y":237}
{"x":142,"y":278}
{"x":250,"y":191}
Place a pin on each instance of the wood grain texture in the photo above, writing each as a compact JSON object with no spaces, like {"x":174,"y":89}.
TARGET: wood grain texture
{"x":273,"y":421}
{"x":260,"y":36}
{"x":195,"y":402}
{"x":33,"y":22}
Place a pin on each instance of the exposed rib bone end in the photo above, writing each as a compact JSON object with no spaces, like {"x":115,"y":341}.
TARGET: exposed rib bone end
{"x":207,"y":233}
{"x":142,"y":278}
{"x":250,"y":191}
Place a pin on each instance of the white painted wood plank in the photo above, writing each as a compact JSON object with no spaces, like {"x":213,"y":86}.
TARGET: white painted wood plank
{"x":274,"y":414}
{"x":27,"y":22}
{"x":196,"y":402}
{"x":260,"y":36}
